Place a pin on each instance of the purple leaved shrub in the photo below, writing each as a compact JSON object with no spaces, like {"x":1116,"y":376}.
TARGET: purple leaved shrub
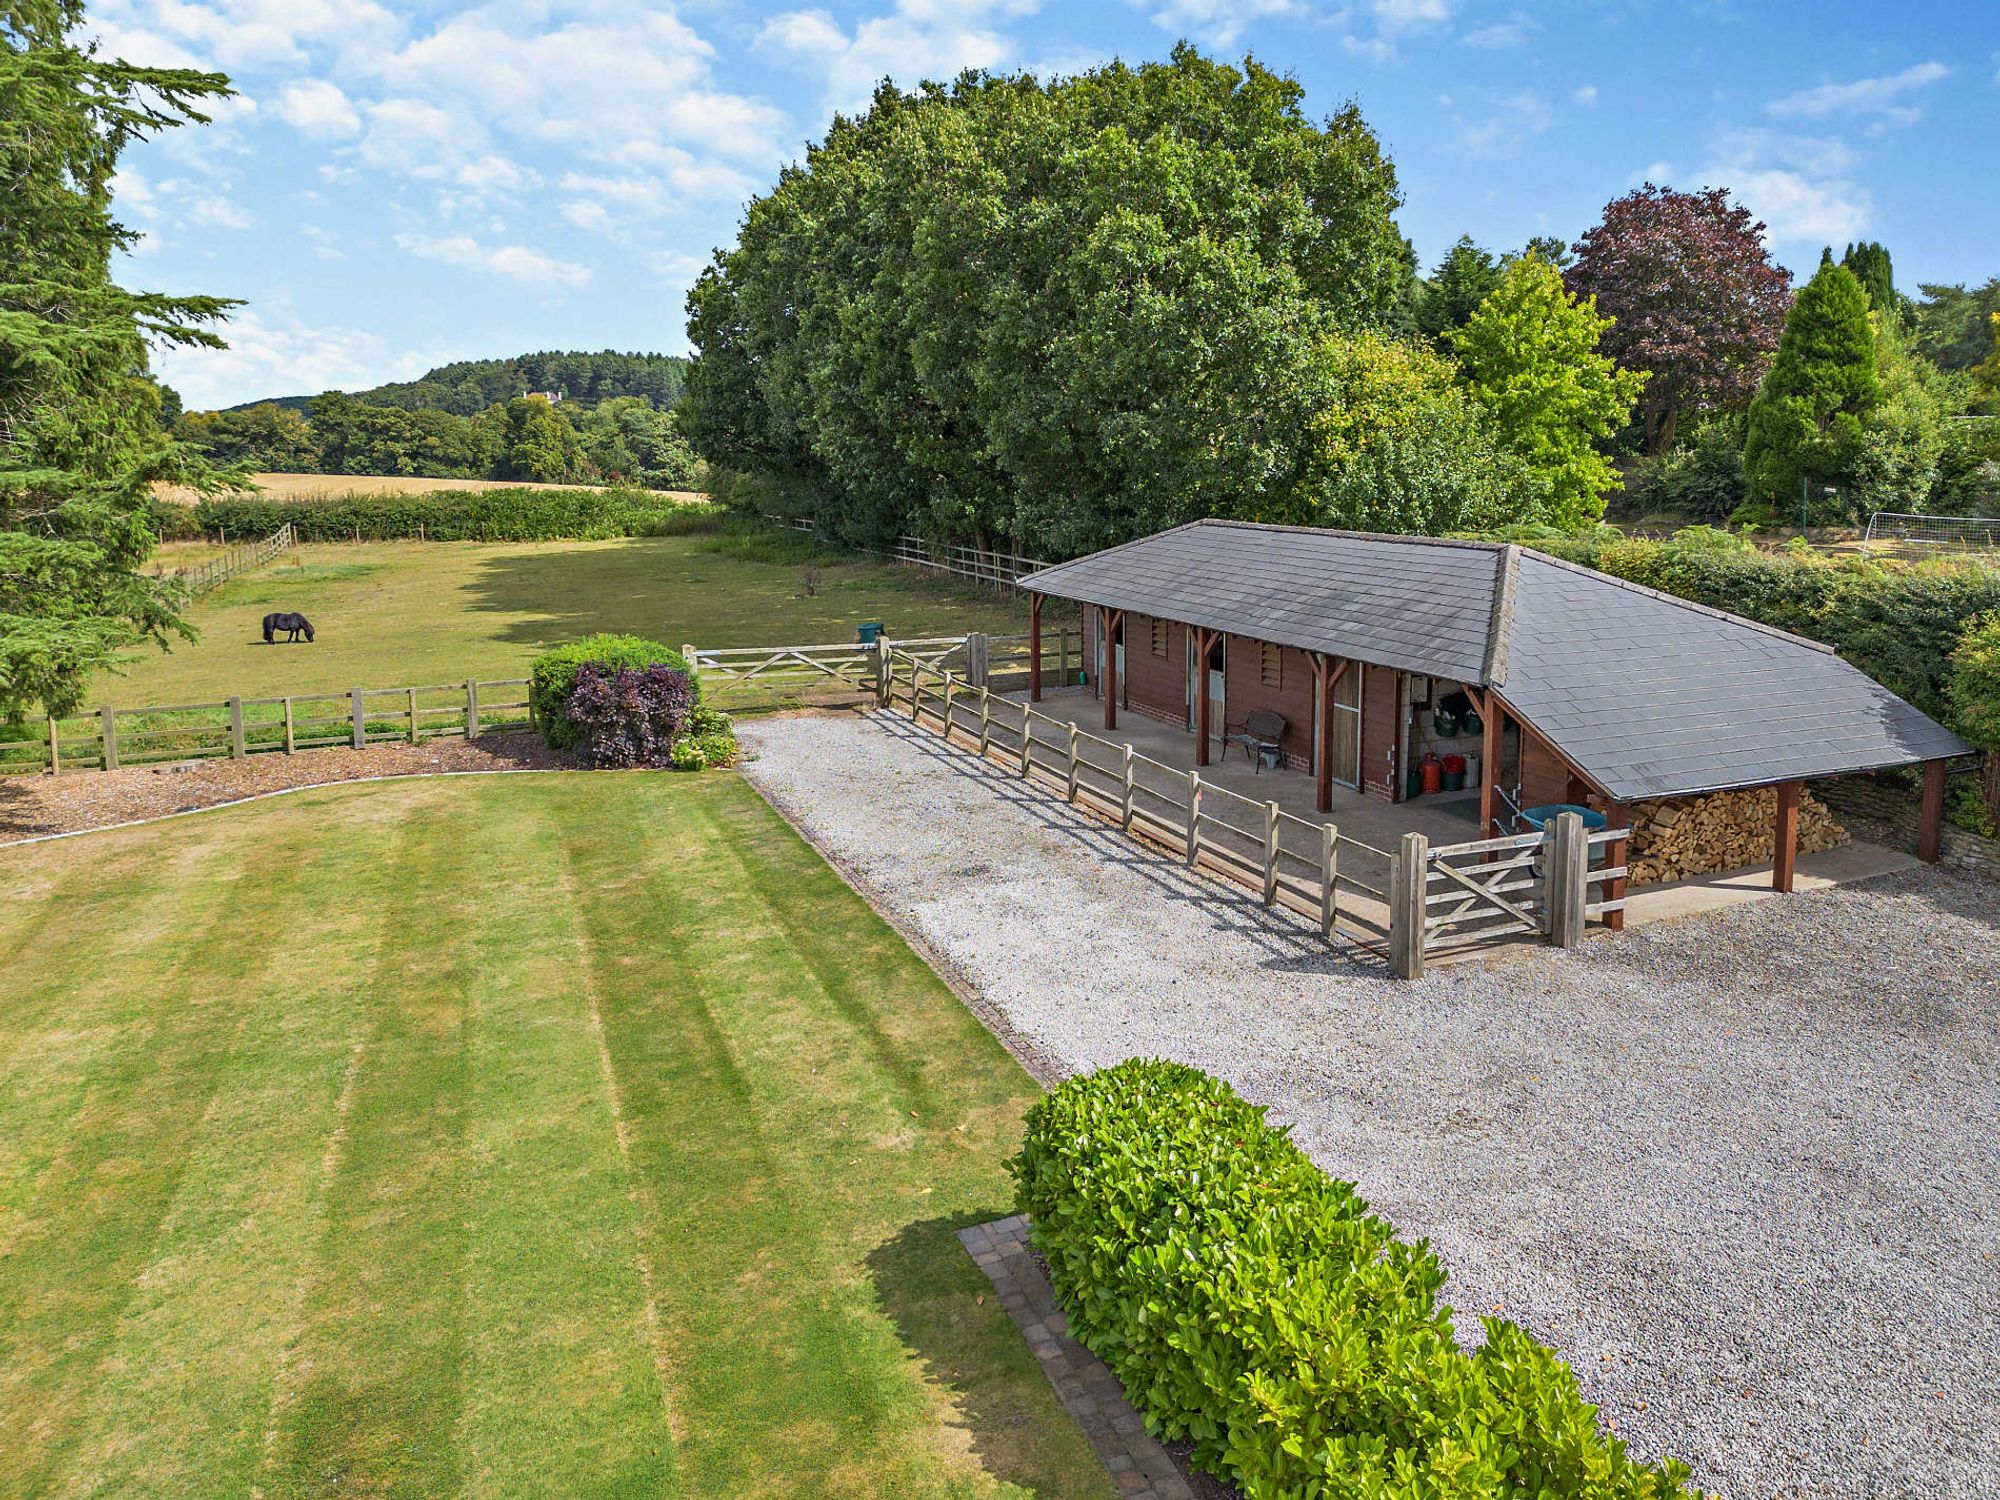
{"x":629,"y":716}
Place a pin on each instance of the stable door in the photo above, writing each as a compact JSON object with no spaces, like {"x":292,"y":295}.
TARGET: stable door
{"x":1216,"y":676}
{"x":1346,"y":728}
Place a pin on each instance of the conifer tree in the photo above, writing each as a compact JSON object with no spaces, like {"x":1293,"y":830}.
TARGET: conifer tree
{"x":1870,"y":263}
{"x":80,"y":435}
{"x":1805,"y":423}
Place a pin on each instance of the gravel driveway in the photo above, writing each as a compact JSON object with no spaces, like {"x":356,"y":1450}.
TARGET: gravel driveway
{"x":1742,"y":1169}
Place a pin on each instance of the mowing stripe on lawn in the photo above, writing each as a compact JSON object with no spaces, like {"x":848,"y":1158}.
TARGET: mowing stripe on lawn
{"x":222,"y":1290}
{"x":563,"y":1397}
{"x":95,"y":1216}
{"x":380,"y":1357}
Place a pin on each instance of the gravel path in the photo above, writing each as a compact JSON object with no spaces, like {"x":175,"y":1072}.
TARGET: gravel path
{"x":1742,"y":1169}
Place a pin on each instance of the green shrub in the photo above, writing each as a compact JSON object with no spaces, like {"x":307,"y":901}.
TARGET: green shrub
{"x":1254,"y":1305}
{"x":710,"y":732}
{"x":503,"y":515}
{"x":553,"y":676}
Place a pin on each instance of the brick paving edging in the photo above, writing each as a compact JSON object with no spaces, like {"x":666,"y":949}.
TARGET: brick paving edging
{"x":1138,"y":1465}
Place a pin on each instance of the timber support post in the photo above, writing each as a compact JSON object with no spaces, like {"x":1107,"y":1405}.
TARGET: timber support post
{"x":108,"y":718}
{"x":985,"y":720}
{"x":1492,"y":727}
{"x":1329,"y":877}
{"x":1930,"y":831}
{"x":360,"y":724}
{"x":291,"y":737}
{"x":1194,"y":817}
{"x":1567,"y":851}
{"x":1204,"y":642}
{"x":1109,"y":622}
{"x":884,"y":683}
{"x":1270,"y":853}
{"x":1035,"y":648}
{"x":1785,"y":838}
{"x":976,"y":659}
{"x":945,"y":730}
{"x":1409,"y":880}
{"x":471,"y":712}
{"x":1069,"y":787}
{"x":1617,"y":818}
{"x":237,"y":749}
{"x":1125,"y":796}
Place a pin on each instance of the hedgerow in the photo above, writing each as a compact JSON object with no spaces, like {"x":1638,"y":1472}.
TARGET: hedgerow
{"x":552,"y":678}
{"x":502,"y":515}
{"x":1254,"y":1305}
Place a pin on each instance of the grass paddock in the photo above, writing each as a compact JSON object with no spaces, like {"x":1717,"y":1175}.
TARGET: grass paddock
{"x":529,"y":1135}
{"x":395,"y":614}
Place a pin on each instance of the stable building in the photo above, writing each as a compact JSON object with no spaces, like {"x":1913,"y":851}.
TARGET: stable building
{"x":1385,"y":656}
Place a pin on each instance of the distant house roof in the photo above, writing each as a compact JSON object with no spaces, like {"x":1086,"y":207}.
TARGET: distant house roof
{"x":1648,"y":695}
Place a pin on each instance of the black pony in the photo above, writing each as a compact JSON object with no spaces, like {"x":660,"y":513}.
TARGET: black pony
{"x":291,"y":624}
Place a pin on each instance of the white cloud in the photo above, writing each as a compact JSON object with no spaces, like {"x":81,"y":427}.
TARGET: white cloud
{"x":1220,"y":23}
{"x":516,"y":262}
{"x":417,"y":138}
{"x":318,"y":108}
{"x":1512,"y":32}
{"x":921,"y":39}
{"x":1410,"y":15}
{"x":1586,"y":96}
{"x":1511,"y":121}
{"x":1881,"y":96}
{"x":239,"y":35}
{"x":1799,"y":185}
{"x":271,"y":355}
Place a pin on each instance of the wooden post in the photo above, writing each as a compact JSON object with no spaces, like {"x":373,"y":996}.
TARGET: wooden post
{"x":1409,"y":879}
{"x":237,"y":749}
{"x":977,"y":659}
{"x":1027,"y":741}
{"x":412,"y":714}
{"x":108,"y":733}
{"x":1194,"y":817}
{"x":1567,"y":851}
{"x":291,"y":743}
{"x":1785,"y":837}
{"x":1327,"y":677}
{"x":1270,"y":853}
{"x":1034,"y":648}
{"x":1107,"y":625}
{"x":1069,"y":786}
{"x":55,"y":750}
{"x":1125,"y":797}
{"x":1204,"y":642}
{"x":1329,"y":877}
{"x":946,"y":730}
{"x":985,"y":720}
{"x":1930,"y":832}
{"x":360,"y":724}
{"x":884,"y":668}
{"x":471,"y":709}
{"x":1617,"y":816}
{"x":916,"y":709}
{"x":1490,"y":741}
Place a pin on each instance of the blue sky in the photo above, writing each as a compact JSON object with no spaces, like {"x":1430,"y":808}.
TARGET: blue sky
{"x":403,"y":184}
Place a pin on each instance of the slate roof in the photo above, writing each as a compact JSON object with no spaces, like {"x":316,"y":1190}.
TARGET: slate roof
{"x":1648,"y":695}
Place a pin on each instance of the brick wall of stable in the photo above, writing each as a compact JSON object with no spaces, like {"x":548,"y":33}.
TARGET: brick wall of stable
{"x":1246,"y":692}
{"x":1381,"y":732}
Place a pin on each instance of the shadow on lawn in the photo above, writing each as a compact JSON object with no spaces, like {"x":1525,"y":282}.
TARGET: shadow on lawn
{"x":1018,"y":1430}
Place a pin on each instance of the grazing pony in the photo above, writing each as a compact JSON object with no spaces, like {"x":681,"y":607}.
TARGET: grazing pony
{"x":292,"y":624}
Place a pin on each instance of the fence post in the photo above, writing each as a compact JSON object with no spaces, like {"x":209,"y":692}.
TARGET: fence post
{"x":946,"y":730}
{"x":1027,"y":740}
{"x":360,"y":724}
{"x":289,"y":741}
{"x":108,"y":718}
{"x":976,"y":659}
{"x":471,"y":709}
{"x":1568,"y":853}
{"x":1270,"y":853}
{"x":1409,"y":881}
{"x":1329,"y":849}
{"x":985,"y":720}
{"x":883,"y":668}
{"x":916,"y":704}
{"x":412,"y":715}
{"x":55,"y":750}
{"x":1194,"y":816}
{"x":1125,"y":796}
{"x":1071,"y":791}
{"x":237,"y":749}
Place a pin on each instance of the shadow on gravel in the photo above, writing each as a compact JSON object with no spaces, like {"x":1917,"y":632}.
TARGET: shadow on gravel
{"x":1286,"y":941}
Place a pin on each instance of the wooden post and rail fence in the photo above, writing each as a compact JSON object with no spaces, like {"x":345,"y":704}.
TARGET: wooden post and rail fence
{"x":241,"y":558}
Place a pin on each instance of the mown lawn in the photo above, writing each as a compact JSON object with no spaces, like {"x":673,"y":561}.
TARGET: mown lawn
{"x":538,"y":1135}
{"x":410,"y":614}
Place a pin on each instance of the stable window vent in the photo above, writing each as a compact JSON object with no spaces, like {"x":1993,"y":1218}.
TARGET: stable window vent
{"x":1159,"y":637}
{"x":1270,"y":664}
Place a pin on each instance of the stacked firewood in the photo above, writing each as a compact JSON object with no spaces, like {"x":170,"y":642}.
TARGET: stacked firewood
{"x":1686,"y":836}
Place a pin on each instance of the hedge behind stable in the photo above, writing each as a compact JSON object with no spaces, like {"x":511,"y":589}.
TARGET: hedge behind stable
{"x":505,"y":515}
{"x":1251,"y":1303}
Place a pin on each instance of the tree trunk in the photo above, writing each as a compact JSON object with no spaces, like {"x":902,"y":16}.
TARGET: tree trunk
{"x":1660,"y":426}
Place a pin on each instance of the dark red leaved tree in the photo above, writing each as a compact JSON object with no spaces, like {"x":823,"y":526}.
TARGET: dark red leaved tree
{"x":1698,"y":303}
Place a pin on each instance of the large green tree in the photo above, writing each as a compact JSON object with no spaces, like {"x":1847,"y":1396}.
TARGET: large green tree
{"x":1951,"y":323}
{"x":1451,"y":294}
{"x":1059,"y":313}
{"x":1805,"y":424}
{"x":80,"y":435}
{"x":1530,"y":355}
{"x":1869,"y":261}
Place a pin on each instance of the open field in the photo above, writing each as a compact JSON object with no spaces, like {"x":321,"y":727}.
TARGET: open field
{"x":395,"y":613}
{"x":537,"y":1135}
{"x":339,"y":486}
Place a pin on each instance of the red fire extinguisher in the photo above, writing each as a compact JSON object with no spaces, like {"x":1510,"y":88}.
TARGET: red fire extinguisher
{"x":1430,"y":774}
